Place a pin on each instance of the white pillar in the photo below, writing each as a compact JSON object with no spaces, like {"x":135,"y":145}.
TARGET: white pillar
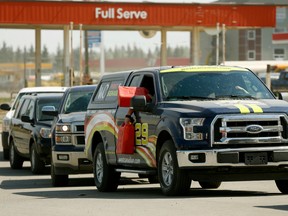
{"x":195,"y":46}
{"x":80,"y":55}
{"x":102,"y":55}
{"x":217,"y":45}
{"x":163,"y":57}
{"x":66,"y":55}
{"x":38,"y":57}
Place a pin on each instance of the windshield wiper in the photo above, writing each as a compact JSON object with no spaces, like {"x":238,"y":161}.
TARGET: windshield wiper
{"x":235,"y":96}
{"x":189,"y":98}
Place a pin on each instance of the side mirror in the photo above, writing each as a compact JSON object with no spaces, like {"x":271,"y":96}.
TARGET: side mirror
{"x":5,"y":107}
{"x":26,"y":118}
{"x":278,"y":95}
{"x":49,"y":110}
{"x":138,"y":103}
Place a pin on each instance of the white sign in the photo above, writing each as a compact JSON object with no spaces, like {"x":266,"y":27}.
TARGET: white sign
{"x":120,"y":13}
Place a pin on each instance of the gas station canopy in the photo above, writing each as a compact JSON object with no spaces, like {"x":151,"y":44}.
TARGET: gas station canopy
{"x":107,"y":15}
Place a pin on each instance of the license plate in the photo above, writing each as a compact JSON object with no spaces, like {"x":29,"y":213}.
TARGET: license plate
{"x":256,"y":158}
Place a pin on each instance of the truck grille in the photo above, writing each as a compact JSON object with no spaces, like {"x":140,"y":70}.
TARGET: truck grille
{"x":252,"y":130}
{"x":78,"y":134}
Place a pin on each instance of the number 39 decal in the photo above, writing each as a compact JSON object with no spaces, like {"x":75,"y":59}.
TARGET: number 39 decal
{"x":141,"y":133}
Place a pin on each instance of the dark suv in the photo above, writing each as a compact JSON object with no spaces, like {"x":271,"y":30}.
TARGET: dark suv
{"x":29,"y":137}
{"x":68,"y":134}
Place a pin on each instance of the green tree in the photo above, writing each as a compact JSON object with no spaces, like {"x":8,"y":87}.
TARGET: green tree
{"x":58,"y":60}
{"x":45,"y":54}
{"x":19,"y":55}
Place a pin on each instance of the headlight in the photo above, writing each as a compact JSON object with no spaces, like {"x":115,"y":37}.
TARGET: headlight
{"x":63,"y":128}
{"x":45,"y":132}
{"x":188,"y":125}
{"x":63,"y":139}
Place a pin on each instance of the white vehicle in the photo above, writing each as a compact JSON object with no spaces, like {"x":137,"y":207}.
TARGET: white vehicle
{"x":11,"y":109}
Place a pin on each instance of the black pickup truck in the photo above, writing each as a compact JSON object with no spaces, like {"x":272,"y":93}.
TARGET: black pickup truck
{"x":68,"y":134}
{"x":204,"y":123}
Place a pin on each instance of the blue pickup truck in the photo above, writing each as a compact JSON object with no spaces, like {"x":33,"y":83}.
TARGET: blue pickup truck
{"x":204,"y":123}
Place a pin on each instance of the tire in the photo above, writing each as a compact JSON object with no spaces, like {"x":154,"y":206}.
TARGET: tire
{"x":105,"y":177}
{"x":58,"y":180}
{"x":282,"y":186}
{"x":173,"y":181}
{"x":16,"y":161}
{"x":210,"y":184}
{"x":6,"y":154}
{"x":37,"y":165}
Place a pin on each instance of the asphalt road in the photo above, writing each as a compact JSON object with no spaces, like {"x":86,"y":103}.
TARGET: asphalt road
{"x":22,"y":193}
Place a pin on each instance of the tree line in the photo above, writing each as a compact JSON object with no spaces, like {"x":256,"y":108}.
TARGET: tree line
{"x":10,"y":55}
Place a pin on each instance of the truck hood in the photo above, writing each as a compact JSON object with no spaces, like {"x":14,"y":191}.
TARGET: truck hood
{"x":213,"y":107}
{"x":72,"y":117}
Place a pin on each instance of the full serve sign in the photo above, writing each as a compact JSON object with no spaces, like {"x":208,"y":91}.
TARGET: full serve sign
{"x":120,"y":13}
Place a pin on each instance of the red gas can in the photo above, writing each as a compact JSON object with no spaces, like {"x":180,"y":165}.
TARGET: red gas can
{"x":126,"y":139}
{"x":125,"y":94}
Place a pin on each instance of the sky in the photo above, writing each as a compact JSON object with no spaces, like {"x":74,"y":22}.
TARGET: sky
{"x":53,"y":39}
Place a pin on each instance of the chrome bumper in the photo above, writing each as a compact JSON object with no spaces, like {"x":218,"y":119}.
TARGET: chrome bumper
{"x":72,"y":160}
{"x":210,"y":158}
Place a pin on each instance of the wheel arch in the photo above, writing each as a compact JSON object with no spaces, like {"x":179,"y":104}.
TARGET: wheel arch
{"x":162,"y":138}
{"x":97,"y":138}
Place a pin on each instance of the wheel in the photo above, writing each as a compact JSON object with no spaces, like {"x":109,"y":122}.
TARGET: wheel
{"x":6,"y":154}
{"x":282,"y":186}
{"x":58,"y":180}
{"x":210,"y":184}
{"x":105,"y":177}
{"x":173,"y":181}
{"x":16,"y":161}
{"x":37,"y":165}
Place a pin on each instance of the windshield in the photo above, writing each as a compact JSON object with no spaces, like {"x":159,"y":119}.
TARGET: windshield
{"x":212,"y":85}
{"x":77,"y":101}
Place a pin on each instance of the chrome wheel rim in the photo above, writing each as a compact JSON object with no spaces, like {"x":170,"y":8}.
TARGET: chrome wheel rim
{"x":99,"y":168}
{"x":11,"y":153}
{"x":32,"y":158}
{"x":167,"y":169}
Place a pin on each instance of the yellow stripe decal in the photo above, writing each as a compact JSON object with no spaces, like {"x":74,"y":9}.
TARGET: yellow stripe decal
{"x":256,"y":108}
{"x":242,"y":108}
{"x":203,"y":69}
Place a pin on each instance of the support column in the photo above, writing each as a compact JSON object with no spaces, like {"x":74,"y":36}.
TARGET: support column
{"x":66,"y":65}
{"x":163,"y":57}
{"x":195,"y":46}
{"x":37,"y":57}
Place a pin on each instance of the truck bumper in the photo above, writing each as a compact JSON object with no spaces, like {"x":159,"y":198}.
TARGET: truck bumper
{"x":238,"y":157}
{"x":65,"y":162}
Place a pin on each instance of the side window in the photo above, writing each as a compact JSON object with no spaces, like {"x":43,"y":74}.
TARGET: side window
{"x":113,"y":91}
{"x":108,"y":91}
{"x":148,"y":83}
{"x":30,"y":109}
{"x":22,"y":109}
{"x":102,"y":92}
{"x":135,"y":81}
